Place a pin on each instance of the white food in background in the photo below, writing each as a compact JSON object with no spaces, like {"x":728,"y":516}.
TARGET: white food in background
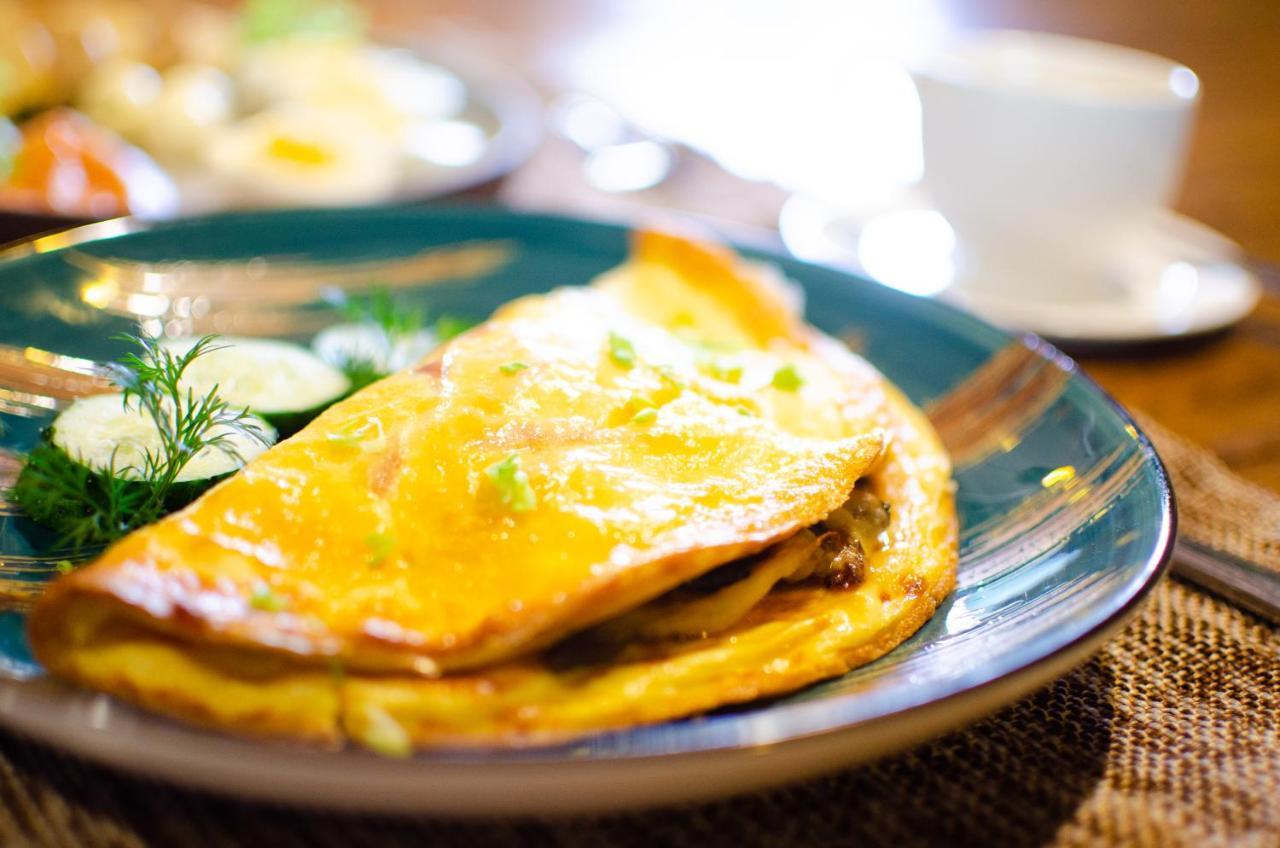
{"x":364,"y":342}
{"x":384,"y":89}
{"x":296,"y":70}
{"x":445,"y":143}
{"x":414,"y":87}
{"x":295,"y":155}
{"x":193,"y":101}
{"x":119,"y":94}
{"x":264,"y":375}
{"x":94,"y":429}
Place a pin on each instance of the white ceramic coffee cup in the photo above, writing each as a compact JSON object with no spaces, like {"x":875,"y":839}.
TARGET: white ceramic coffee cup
{"x":1045,"y":152}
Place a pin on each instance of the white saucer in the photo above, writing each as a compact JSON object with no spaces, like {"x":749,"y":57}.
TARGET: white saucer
{"x":1179,"y":277}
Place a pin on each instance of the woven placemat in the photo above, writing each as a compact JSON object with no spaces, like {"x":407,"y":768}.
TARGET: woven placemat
{"x":1218,"y":509}
{"x":1168,"y":737}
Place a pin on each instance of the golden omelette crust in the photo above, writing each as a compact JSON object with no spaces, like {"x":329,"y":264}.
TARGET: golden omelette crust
{"x":797,"y":635}
{"x":382,"y":542}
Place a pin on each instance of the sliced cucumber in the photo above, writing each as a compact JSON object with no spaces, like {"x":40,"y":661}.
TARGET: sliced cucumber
{"x":84,"y":478}
{"x":342,"y":344}
{"x":96,"y":429}
{"x":283,"y":383}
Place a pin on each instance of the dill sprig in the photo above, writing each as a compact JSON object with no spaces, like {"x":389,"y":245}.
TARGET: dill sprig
{"x":85,"y":506}
{"x":447,"y":326}
{"x":361,"y":371}
{"x":89,"y":506}
{"x":397,"y":323}
{"x":396,"y":320}
{"x":187,"y":423}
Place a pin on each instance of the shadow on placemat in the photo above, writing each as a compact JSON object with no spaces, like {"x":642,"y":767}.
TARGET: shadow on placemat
{"x":1167,"y":737}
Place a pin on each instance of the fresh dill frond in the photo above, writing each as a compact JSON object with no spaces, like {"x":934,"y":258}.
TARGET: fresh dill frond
{"x":84,"y":506}
{"x":187,"y":423}
{"x":89,"y":506}
{"x":398,"y":326}
{"x":361,"y":371}
{"x":395,"y":323}
{"x":397,"y":320}
{"x":447,"y":326}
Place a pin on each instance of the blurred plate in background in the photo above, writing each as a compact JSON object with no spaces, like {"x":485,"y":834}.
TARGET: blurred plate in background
{"x":160,"y":110}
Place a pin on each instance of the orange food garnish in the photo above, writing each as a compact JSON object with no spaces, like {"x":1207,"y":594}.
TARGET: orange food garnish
{"x":68,"y":165}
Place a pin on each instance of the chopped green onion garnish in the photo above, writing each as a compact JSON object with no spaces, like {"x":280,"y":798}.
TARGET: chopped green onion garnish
{"x":512,"y":367}
{"x":621,"y":350}
{"x":350,"y":434}
{"x":729,"y":372}
{"x":266,"y":600}
{"x":707,"y":345}
{"x":668,"y":374}
{"x":356,"y":433}
{"x":383,"y":734}
{"x":787,"y":378}
{"x":380,"y":546}
{"x":512,"y":484}
{"x":643,"y":409}
{"x":64,"y":566}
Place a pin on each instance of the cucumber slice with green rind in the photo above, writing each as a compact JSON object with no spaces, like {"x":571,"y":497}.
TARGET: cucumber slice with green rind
{"x":101,"y":433}
{"x":284,"y":383}
{"x":83,"y":479}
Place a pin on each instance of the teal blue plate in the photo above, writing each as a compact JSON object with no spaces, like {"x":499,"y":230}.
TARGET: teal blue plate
{"x":1066,"y":513}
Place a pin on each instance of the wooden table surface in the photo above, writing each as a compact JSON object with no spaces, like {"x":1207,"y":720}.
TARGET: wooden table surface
{"x":661,"y":60}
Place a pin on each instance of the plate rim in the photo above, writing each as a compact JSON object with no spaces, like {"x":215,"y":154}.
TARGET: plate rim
{"x":930,"y":715}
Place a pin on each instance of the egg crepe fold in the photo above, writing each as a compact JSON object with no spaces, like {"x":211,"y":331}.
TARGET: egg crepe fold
{"x":499,"y":543}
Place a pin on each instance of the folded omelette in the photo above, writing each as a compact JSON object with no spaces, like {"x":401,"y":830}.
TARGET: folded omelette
{"x":623,"y":503}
